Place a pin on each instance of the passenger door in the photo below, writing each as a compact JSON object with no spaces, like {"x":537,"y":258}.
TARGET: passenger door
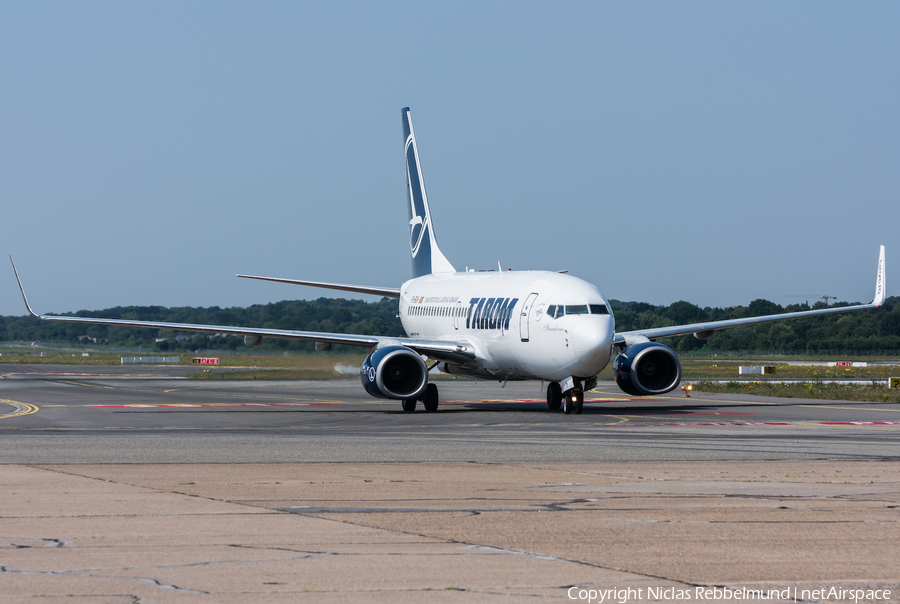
{"x":525,"y":316}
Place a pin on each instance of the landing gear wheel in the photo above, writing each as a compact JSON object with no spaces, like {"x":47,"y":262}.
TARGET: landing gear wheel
{"x":568,"y":402}
{"x":554,"y":395}
{"x":579,"y":402}
{"x":430,"y":398}
{"x":409,"y":405}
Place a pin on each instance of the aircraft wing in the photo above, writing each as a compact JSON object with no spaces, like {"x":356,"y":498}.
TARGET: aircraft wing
{"x":705,"y":330}
{"x":389,"y":292}
{"x":452,"y":352}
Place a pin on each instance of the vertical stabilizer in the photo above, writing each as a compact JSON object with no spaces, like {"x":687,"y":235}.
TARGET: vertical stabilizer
{"x":426,"y":255}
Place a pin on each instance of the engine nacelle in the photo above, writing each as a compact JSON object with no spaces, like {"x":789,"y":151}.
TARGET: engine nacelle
{"x":394,"y":372}
{"x":647,"y":368}
{"x":252,"y":340}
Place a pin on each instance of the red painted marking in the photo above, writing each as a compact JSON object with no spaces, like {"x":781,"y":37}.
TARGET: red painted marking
{"x":632,"y":425}
{"x":636,"y":425}
{"x":176,"y":405}
{"x":719,"y":413}
{"x":540,"y":400}
{"x":683,"y":413}
{"x":860,"y":423}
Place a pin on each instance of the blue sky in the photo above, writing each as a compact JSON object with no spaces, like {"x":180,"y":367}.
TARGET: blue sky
{"x":712,"y":152}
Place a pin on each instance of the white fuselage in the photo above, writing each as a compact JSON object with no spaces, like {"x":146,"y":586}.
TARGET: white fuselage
{"x":504,"y":317}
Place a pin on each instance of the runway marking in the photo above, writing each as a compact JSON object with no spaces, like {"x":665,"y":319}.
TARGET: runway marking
{"x":689,"y":413}
{"x":454,"y":402}
{"x":223,"y":395}
{"x":52,"y":373}
{"x":724,"y":400}
{"x":685,"y":424}
{"x":859,"y":423}
{"x":87,"y":385}
{"x":849,"y":408}
{"x":540,"y":400}
{"x":20,"y":409}
{"x":621,"y":419}
{"x":318,"y":403}
{"x":180,"y":405}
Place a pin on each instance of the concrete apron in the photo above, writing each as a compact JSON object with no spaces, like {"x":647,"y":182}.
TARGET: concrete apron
{"x":464,"y":532}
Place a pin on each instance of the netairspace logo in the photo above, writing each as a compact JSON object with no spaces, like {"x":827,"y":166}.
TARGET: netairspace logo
{"x":629,"y":594}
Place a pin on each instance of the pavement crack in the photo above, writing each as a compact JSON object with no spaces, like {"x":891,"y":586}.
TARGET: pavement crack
{"x":90,"y":574}
{"x":560,"y":506}
{"x":161,"y":585}
{"x":38,"y":542}
{"x":502,"y":550}
{"x":309,"y":554}
{"x":516,"y":552}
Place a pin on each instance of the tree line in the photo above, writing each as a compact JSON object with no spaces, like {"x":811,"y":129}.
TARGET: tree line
{"x":876,"y":330}
{"x":325,"y":314}
{"x":870,"y":330}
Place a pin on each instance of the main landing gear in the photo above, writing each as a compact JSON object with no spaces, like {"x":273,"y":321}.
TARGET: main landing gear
{"x":570,"y":400}
{"x":554,"y":396}
{"x":429,"y":399}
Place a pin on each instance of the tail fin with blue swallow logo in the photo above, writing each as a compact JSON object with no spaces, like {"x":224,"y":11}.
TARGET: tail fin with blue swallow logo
{"x":426,"y":255}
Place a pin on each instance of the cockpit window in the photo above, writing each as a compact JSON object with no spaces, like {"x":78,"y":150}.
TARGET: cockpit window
{"x":555,"y":311}
{"x":599,"y":309}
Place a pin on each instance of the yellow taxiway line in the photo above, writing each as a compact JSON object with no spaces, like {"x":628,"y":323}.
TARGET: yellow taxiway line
{"x":20,"y":408}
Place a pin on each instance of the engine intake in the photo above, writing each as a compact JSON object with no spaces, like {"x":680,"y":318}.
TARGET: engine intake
{"x":647,"y":368}
{"x":394,"y":372}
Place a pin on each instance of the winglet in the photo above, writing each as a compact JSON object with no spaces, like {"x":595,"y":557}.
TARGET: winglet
{"x":880,"y":281}
{"x":22,"y":289}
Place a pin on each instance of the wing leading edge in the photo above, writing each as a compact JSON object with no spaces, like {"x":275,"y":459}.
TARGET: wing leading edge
{"x":626,"y":338}
{"x":452,"y":352}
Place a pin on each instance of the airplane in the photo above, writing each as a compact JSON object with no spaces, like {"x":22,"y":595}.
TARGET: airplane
{"x":492,"y":325}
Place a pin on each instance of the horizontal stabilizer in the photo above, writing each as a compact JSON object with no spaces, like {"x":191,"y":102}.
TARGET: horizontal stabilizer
{"x":388,"y":292}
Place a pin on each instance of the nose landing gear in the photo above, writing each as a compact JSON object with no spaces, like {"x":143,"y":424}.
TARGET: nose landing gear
{"x":572,"y":398}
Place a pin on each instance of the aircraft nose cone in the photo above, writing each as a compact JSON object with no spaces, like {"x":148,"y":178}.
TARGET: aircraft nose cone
{"x":591,"y":341}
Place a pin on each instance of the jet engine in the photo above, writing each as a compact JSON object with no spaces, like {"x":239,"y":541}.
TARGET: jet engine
{"x":394,"y":372}
{"x":647,"y":368}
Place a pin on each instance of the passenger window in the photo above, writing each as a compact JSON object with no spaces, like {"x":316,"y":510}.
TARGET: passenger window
{"x":578,"y":309}
{"x":599,"y":309}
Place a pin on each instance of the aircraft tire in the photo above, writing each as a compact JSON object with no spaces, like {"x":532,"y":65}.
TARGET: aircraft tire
{"x":554,"y":396}
{"x":579,"y":403}
{"x":568,"y":404}
{"x":409,"y":405}
{"x":430,"y":399}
